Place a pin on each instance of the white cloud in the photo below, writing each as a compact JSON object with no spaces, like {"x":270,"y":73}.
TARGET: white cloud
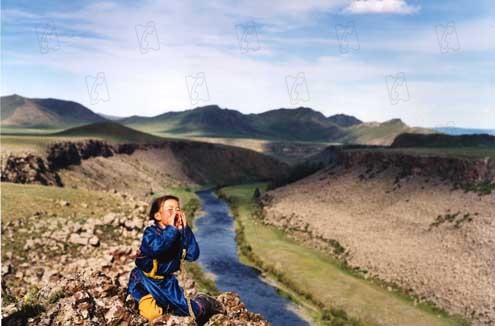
{"x":381,"y":7}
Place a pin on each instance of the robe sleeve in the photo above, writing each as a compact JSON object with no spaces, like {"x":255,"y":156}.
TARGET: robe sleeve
{"x":189,"y":242}
{"x":158,"y":244}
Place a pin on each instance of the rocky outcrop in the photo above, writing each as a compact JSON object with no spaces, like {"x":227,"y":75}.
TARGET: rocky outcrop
{"x":29,"y":168}
{"x":97,"y":299}
{"x":61,"y":155}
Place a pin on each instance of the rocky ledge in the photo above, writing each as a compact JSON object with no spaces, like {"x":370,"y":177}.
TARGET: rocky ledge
{"x":94,"y":298}
{"x":61,"y":270}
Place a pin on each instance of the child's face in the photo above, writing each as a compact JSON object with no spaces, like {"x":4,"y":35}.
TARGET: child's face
{"x":169,"y":208}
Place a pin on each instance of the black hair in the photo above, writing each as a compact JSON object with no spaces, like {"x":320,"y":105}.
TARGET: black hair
{"x":157,"y":203}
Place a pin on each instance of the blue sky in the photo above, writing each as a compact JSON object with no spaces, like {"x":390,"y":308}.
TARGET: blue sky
{"x":430,"y":63}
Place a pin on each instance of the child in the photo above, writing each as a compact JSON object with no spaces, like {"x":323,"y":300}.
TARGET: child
{"x":152,"y":283}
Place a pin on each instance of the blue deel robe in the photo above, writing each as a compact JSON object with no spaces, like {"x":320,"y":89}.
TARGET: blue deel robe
{"x":165,"y":245}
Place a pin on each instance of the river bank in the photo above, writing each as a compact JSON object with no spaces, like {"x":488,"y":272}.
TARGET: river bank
{"x":340,"y":295}
{"x":215,"y":233}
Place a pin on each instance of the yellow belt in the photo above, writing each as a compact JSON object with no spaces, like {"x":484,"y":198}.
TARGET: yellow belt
{"x":153,"y":271}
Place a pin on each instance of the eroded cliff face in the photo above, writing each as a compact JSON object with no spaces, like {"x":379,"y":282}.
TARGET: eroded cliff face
{"x":36,"y":169}
{"x":461,"y":171}
{"x":421,"y":223}
{"x":28,"y":168}
{"x":189,"y":162}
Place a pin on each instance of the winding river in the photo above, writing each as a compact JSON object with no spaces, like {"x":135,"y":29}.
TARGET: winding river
{"x":215,"y":234}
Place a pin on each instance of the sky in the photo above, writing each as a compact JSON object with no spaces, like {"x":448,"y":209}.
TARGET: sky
{"x":429,"y":63}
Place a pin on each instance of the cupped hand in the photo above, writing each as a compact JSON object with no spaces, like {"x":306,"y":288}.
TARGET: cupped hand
{"x":181,"y":221}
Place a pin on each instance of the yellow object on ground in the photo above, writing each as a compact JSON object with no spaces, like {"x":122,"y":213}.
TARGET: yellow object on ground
{"x":148,"y":308}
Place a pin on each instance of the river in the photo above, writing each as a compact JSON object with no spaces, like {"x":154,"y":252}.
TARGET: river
{"x":215,"y":234}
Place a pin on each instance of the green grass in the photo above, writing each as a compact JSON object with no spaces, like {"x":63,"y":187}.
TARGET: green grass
{"x":322,"y":279}
{"x":23,"y":200}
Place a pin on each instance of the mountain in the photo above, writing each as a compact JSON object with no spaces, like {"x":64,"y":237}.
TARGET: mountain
{"x":299,"y":124}
{"x":302,"y":124}
{"x":212,"y":120}
{"x":344,"y":120}
{"x":18,"y":111}
{"x":109,"y":130}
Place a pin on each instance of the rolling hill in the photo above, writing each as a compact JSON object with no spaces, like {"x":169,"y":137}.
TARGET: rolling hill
{"x":300,"y":124}
{"x":18,"y":111}
{"x":111,"y":131}
{"x":375,"y":133}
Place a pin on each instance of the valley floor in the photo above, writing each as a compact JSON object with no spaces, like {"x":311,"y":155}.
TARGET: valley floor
{"x":345,"y":298}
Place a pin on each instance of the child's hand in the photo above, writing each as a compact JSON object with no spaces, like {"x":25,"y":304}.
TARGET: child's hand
{"x":181,"y":220}
{"x":184,"y":219}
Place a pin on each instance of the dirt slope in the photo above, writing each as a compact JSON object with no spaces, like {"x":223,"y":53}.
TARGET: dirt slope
{"x":414,"y":231}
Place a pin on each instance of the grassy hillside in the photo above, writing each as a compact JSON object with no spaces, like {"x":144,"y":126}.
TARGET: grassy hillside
{"x":18,"y":111}
{"x":36,"y":140}
{"x":110,"y":131}
{"x":378,"y":133}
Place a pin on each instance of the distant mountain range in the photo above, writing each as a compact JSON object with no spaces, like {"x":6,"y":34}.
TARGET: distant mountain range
{"x":18,"y":111}
{"x":300,"y":124}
